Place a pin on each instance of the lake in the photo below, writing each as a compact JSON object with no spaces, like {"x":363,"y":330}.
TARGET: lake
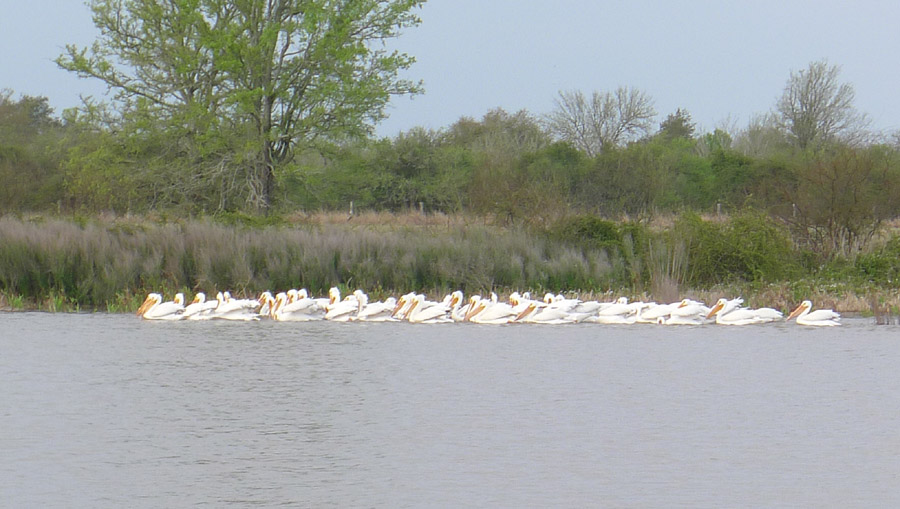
{"x":102,"y":410}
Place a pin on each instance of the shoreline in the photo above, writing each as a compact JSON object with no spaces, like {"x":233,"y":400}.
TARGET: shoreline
{"x":109,"y":264}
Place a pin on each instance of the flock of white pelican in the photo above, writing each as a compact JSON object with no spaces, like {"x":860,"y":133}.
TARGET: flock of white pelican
{"x":297,"y":305}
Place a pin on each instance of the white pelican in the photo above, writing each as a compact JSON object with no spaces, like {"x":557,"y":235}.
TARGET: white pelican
{"x":618,"y":307}
{"x":653,"y":312}
{"x":418,"y":310}
{"x":687,"y":312}
{"x":576,"y":306}
{"x":199,"y":308}
{"x":619,"y":313}
{"x":229,"y":308}
{"x":322,"y":302}
{"x":486,"y":311}
{"x":458,"y":310}
{"x":374,"y":311}
{"x":524,"y":305}
{"x":729,"y":312}
{"x":154,"y":308}
{"x":555,"y":309}
{"x":301,"y":310}
{"x":820,"y":317}
{"x":342,"y":310}
{"x":403,"y":304}
{"x":266,"y":300}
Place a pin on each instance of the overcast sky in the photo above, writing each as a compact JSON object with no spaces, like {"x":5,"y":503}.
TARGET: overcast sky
{"x":719,"y":60}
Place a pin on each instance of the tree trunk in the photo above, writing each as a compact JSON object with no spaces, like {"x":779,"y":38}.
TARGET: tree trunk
{"x":268,"y":168}
{"x":268,"y":179}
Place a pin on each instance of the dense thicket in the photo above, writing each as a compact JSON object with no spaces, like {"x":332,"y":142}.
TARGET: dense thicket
{"x":504,"y":166}
{"x":110,"y":264}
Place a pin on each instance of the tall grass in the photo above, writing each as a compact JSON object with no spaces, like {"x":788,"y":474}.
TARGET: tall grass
{"x":112,"y":264}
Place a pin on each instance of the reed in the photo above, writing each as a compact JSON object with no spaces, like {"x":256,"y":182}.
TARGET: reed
{"x":668,"y":265}
{"x":110,"y":265}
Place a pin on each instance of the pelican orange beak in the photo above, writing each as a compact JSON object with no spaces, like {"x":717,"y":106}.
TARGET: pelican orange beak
{"x":400,"y":303}
{"x":144,"y":305}
{"x":414,"y":305}
{"x":474,"y":308}
{"x":715,"y":309}
{"x":525,"y":312}
{"x":796,"y":312}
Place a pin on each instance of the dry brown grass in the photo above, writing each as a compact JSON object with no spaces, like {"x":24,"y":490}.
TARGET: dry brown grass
{"x":114,"y":258}
{"x":384,"y":220}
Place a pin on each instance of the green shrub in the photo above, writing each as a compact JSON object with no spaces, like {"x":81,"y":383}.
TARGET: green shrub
{"x":588,"y":231}
{"x":750,"y":247}
{"x":881,"y":266}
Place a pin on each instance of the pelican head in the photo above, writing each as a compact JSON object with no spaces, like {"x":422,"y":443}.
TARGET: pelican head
{"x":402,"y":303}
{"x":474,"y":307}
{"x":718,"y":307}
{"x":151,"y":300}
{"x":804,"y":306}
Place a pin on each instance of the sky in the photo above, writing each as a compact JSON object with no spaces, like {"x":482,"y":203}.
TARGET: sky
{"x":721,"y":61}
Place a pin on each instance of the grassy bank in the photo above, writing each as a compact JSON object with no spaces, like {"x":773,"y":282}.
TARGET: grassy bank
{"x":110,"y":264}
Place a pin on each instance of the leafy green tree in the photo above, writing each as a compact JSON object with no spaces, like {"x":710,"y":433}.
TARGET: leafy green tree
{"x":240,"y":85}
{"x":677,"y":125}
{"x":30,"y":153}
{"x":500,"y":147}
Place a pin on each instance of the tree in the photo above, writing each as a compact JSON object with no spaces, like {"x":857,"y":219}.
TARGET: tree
{"x":677,"y":125}
{"x":30,"y":141}
{"x":841,"y":198}
{"x":604,"y":121}
{"x":762,"y":137}
{"x":242,"y":83}
{"x":815,"y":107}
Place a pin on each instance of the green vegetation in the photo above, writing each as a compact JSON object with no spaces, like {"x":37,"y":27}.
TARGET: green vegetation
{"x":111,"y":264}
{"x":231,"y":123}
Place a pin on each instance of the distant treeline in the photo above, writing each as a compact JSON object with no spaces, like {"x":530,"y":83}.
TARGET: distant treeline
{"x":832,"y":198}
{"x":111,"y":264}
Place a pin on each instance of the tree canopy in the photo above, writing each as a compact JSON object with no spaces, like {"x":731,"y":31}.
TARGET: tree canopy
{"x":816,"y":107}
{"x":239,"y":85}
{"x":603,"y":121}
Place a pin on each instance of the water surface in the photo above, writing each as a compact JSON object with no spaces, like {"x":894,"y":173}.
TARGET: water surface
{"x":110,"y":411}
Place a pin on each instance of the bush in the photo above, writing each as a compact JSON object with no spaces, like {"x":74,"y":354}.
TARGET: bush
{"x":590,"y":231}
{"x":881,"y":266}
{"x":750,"y":247}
